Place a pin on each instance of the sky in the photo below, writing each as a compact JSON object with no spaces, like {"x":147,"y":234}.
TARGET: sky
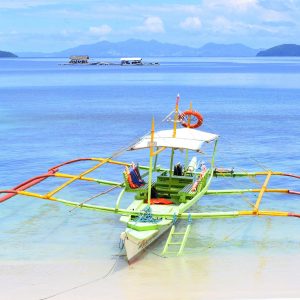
{"x":54,"y":25}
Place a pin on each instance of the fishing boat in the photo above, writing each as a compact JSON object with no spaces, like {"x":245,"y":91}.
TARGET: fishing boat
{"x":162,"y":195}
{"x":136,"y":61}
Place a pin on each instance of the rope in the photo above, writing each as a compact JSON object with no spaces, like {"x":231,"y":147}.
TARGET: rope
{"x":251,"y":178}
{"x":156,"y":254}
{"x":109,"y":272}
{"x":114,"y":155}
{"x":174,"y":220}
{"x":256,"y":161}
{"x":96,"y":196}
{"x":146,"y":216}
{"x":244,"y":198}
{"x":226,"y":237}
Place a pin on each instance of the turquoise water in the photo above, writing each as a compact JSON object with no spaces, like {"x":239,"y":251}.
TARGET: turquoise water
{"x":51,"y":113}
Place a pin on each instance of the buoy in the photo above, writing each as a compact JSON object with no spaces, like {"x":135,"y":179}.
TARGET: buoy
{"x":191,"y":119}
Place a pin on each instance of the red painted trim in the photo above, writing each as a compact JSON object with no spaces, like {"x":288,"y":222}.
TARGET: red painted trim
{"x":25,"y":185}
{"x":67,"y":163}
{"x":294,"y":215}
{"x":294,"y":192}
{"x":35,"y":180}
{"x":291,"y":175}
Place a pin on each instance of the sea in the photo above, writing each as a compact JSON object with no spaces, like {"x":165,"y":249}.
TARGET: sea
{"x":51,"y":113}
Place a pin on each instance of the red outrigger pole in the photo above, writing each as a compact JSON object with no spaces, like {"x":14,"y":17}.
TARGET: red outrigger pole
{"x":35,"y":180}
{"x":26,"y":184}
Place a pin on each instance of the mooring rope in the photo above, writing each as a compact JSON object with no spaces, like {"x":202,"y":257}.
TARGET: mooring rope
{"x":256,"y":161}
{"x":95,"y":196}
{"x":107,"y":274}
{"x":228,"y":236}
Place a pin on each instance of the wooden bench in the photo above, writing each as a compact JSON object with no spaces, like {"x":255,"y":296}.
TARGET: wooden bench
{"x":186,"y":193}
{"x":169,"y":186}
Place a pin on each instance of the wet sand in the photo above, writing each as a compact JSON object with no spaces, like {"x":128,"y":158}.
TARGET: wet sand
{"x":152,"y":277}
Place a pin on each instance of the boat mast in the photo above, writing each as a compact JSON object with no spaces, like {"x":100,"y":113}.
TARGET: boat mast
{"x":152,"y":153}
{"x":187,"y":151}
{"x":174,"y":131}
{"x":176,"y":115}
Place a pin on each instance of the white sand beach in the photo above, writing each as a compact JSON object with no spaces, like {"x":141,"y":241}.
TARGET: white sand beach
{"x":226,"y":277}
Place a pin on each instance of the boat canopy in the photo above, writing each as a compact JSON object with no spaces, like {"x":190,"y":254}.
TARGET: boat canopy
{"x":186,"y":138}
{"x":131,"y":58}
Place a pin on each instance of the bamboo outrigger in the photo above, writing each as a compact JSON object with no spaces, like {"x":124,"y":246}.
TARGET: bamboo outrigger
{"x":162,"y":195}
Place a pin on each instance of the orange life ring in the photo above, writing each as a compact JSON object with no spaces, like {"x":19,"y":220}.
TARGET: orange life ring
{"x":190,"y":119}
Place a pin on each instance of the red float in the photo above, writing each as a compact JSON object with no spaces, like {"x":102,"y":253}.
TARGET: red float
{"x":191,"y":119}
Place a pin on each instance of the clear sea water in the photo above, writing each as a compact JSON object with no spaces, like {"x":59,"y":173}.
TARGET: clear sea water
{"x":51,"y":113}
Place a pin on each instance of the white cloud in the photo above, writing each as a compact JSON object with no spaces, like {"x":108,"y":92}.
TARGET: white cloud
{"x":226,"y":26}
{"x":100,"y":30}
{"x":221,"y":24}
{"x":274,"y":16}
{"x":22,"y":4}
{"x":243,"y":5}
{"x":191,"y":23}
{"x":237,"y":5}
{"x":152,"y":24}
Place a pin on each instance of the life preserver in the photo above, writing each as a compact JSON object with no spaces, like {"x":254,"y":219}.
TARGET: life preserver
{"x":196,"y":119}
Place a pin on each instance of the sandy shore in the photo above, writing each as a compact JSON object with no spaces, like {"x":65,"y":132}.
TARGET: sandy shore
{"x":154,"y":278}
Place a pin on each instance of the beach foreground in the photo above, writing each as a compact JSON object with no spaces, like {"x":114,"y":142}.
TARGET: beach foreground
{"x":247,"y":276}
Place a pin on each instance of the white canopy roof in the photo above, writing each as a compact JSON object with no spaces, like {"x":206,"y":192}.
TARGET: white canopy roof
{"x":186,"y":138}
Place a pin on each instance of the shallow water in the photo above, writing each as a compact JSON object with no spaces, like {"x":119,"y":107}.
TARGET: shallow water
{"x":51,"y":113}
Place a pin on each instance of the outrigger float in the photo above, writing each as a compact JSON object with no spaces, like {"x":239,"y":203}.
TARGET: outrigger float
{"x":162,"y":196}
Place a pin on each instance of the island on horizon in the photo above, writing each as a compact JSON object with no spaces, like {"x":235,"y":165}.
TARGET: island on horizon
{"x":281,"y":50}
{"x":153,"y":48}
{"x":7,"y":54}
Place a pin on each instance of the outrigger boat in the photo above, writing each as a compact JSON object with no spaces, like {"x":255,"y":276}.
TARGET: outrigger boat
{"x":162,"y":195}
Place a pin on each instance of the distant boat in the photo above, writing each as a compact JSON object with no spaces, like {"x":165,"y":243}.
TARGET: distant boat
{"x":126,"y":61}
{"x":131,"y":61}
{"x":135,"y":61}
{"x":79,"y":59}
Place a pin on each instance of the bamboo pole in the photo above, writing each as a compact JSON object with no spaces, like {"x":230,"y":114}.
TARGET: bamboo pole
{"x":242,"y":191}
{"x":150,"y":162}
{"x":50,"y":194}
{"x":174,"y":133}
{"x":185,"y":206}
{"x":176,"y":115}
{"x":119,"y":199}
{"x":101,"y":181}
{"x":187,"y":151}
{"x":201,"y":215}
{"x":262,"y":191}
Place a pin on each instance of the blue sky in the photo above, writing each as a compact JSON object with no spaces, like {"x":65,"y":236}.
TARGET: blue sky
{"x":53,"y":25}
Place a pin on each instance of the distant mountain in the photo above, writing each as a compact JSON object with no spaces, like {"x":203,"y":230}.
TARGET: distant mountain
{"x":130,"y":47}
{"x":33,"y":54}
{"x":212,"y":49}
{"x":281,"y":50}
{"x":139,"y":48}
{"x":7,"y":54}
